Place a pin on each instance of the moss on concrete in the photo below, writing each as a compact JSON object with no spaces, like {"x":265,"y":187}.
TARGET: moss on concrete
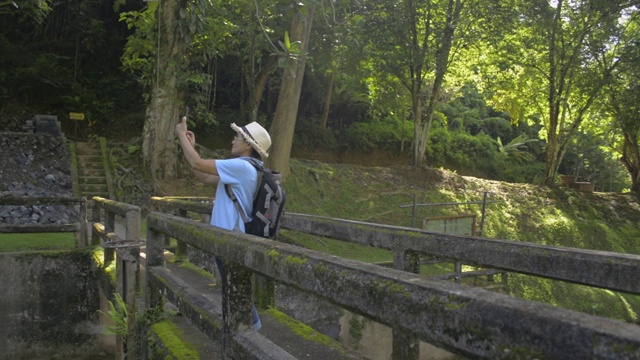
{"x":173,"y":342}
{"x":303,"y":330}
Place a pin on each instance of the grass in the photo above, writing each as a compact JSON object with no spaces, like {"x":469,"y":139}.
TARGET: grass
{"x":37,"y":241}
{"x":520,"y":212}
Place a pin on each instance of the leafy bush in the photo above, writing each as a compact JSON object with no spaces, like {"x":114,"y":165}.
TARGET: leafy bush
{"x":497,"y":127}
{"x":463,"y":152}
{"x":309,"y":133}
{"x":438,"y":147}
{"x":385,"y":133}
{"x":532,"y":173}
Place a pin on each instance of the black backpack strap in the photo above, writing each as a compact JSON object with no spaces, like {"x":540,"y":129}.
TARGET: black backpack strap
{"x":255,"y":163}
{"x":231,"y":195}
{"x":235,"y":201}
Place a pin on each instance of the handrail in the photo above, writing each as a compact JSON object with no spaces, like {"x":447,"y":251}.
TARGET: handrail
{"x":607,"y":270}
{"x":467,"y":321}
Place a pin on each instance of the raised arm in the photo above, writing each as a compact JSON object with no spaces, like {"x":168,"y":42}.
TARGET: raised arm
{"x":204,"y":170}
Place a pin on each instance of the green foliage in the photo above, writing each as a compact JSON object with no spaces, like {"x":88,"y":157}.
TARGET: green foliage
{"x":142,"y":320}
{"x":139,"y":50}
{"x":531,"y":173}
{"x":64,"y":59}
{"x":26,"y":10}
{"x":590,"y":157}
{"x":517,"y":149}
{"x":384,"y":133}
{"x":309,"y":133}
{"x":119,"y":314}
{"x":466,"y":153}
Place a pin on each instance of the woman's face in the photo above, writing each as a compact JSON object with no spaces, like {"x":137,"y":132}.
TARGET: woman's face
{"x":239,"y":147}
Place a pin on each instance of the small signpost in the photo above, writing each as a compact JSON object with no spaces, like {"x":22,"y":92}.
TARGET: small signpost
{"x":76,"y":117}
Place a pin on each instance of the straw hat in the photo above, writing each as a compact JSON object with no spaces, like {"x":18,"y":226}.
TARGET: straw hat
{"x":256,"y":136}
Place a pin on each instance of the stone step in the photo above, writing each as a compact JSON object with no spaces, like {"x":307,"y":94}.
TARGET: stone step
{"x":91,"y":180}
{"x":90,"y":172}
{"x":90,"y":188}
{"x":90,"y":164}
{"x":97,"y":157}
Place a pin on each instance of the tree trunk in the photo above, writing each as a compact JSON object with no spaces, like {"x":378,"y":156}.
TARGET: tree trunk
{"x":418,"y":128}
{"x":552,"y":96}
{"x":442,"y":64}
{"x":159,"y":150}
{"x":284,"y":121}
{"x":260,"y":84}
{"x":327,"y":100}
{"x":631,"y":160}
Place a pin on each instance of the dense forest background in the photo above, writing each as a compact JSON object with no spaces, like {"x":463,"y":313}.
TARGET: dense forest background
{"x":516,"y":91}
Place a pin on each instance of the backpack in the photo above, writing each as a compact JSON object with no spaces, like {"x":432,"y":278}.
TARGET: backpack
{"x":268,"y":204}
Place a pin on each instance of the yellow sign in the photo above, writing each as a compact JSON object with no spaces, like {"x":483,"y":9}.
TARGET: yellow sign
{"x":76,"y":116}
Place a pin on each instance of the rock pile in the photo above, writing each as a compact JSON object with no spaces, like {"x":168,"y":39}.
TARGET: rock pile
{"x":35,"y":165}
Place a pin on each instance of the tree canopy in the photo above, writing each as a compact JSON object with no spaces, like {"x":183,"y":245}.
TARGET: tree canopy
{"x":509,"y":90}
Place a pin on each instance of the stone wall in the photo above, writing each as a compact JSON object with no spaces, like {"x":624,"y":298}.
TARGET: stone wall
{"x":49,"y":305}
{"x":35,"y":165}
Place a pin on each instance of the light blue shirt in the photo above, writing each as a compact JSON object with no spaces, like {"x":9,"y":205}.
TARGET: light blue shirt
{"x":243,"y":178}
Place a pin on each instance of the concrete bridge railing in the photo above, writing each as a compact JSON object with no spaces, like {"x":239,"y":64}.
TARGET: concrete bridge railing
{"x":125,"y":252}
{"x":608,"y":270}
{"x":467,"y":321}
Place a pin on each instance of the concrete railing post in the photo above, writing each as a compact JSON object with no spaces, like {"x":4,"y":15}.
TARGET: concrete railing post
{"x":95,"y":218}
{"x":236,"y":303}
{"x":127,"y":284}
{"x":181,"y":247}
{"x":81,"y":234}
{"x":405,"y":346}
{"x":155,"y":247}
{"x":132,"y":227}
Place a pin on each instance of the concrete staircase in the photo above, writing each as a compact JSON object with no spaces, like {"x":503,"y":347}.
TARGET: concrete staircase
{"x":93,"y":176}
